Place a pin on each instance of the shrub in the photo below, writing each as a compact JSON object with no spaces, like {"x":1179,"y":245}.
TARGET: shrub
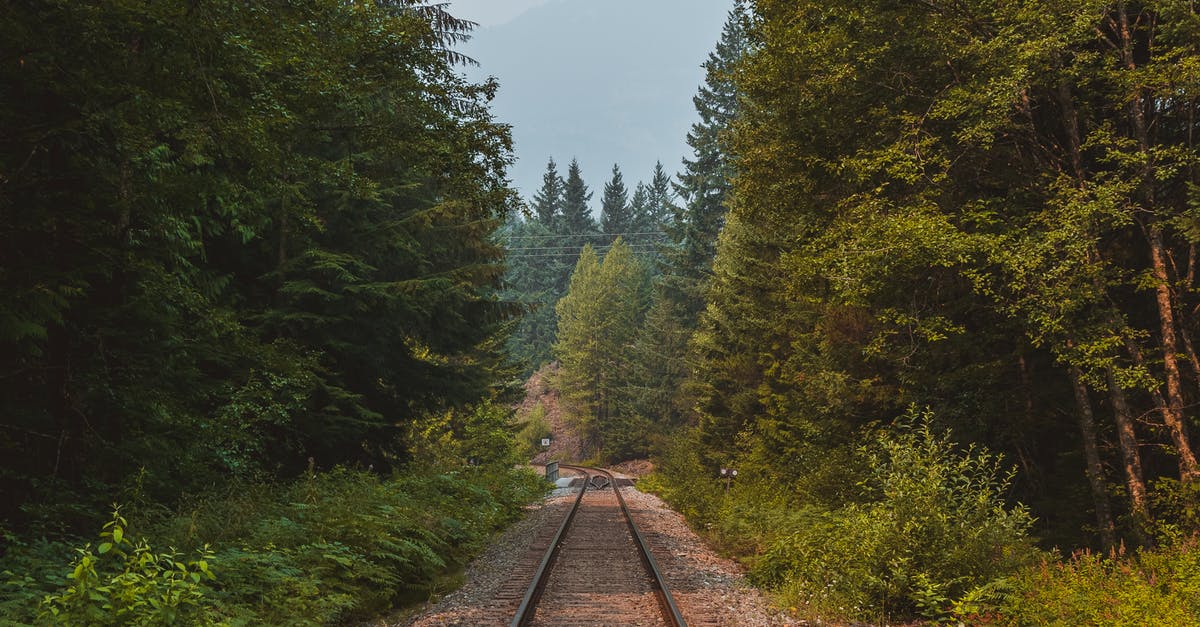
{"x":933,"y":530}
{"x":332,"y":547}
{"x":124,"y":582}
{"x":1153,"y":587}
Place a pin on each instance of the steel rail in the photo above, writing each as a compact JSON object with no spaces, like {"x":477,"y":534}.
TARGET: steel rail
{"x":534,"y":593}
{"x":666,"y":602}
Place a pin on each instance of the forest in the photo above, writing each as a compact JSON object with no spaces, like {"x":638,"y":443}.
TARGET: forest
{"x":929,"y":286}
{"x":927,"y":282}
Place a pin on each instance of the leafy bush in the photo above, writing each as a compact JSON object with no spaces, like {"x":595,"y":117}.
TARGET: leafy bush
{"x":933,"y":530}
{"x":1153,"y":587}
{"x":123,"y":582}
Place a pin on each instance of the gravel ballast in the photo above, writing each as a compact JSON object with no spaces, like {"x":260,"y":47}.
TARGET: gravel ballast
{"x":709,"y":589}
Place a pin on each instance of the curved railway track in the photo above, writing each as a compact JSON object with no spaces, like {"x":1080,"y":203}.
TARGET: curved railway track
{"x":598,"y":569}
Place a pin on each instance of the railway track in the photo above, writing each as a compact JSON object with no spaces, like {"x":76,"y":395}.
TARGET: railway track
{"x":598,"y":569}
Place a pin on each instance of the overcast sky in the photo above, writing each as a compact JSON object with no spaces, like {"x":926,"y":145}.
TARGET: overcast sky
{"x":491,"y":12}
{"x":603,"y":81}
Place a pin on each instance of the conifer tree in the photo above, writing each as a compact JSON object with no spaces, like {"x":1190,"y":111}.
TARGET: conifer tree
{"x":616,"y":216}
{"x":704,"y":184}
{"x":639,"y":207}
{"x":692,"y":229}
{"x":659,"y":207}
{"x":576,"y":214}
{"x":598,"y":320}
{"x":548,"y":201}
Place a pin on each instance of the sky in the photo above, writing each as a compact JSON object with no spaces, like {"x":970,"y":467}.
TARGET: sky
{"x":491,"y":12}
{"x":602,"y":81}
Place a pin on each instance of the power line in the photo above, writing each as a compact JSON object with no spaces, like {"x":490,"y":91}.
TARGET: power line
{"x":511,"y":250}
{"x":585,"y":235}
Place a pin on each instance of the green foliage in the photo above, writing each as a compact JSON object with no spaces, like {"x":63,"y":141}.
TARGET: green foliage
{"x":598,"y":323}
{"x":931,"y":526}
{"x":280,"y":250}
{"x":534,"y":427}
{"x":329,"y":548}
{"x":1152,"y":587}
{"x":920,"y":527}
{"x":124,"y":582}
{"x":616,"y":215}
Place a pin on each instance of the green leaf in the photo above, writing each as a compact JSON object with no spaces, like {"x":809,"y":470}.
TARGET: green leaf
{"x":104,"y":547}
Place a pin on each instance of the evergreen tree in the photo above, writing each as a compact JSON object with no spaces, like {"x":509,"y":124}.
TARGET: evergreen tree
{"x":285,"y":256}
{"x":616,"y":216}
{"x":639,"y":207}
{"x":659,"y":207}
{"x":662,"y":346}
{"x":598,"y":320}
{"x":956,"y":245}
{"x":704,"y":184}
{"x":577,"y":215}
{"x":548,"y":201}
{"x":536,"y":277}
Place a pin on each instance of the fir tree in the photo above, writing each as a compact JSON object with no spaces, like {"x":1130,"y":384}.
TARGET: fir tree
{"x":705,"y":181}
{"x":616,"y":216}
{"x":639,"y":207}
{"x":576,"y":214}
{"x":548,"y":201}
{"x":659,"y":207}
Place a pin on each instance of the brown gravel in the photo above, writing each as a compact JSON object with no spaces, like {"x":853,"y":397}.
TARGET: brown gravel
{"x":709,"y":589}
{"x":491,"y":575}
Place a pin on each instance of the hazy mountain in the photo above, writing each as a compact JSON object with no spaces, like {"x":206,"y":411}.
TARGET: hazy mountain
{"x":606,"y":82}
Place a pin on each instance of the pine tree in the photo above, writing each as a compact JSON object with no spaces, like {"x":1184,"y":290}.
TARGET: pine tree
{"x":685,"y":262}
{"x":598,"y":320}
{"x":236,"y":291}
{"x":548,"y":201}
{"x":704,"y":184}
{"x":639,"y":207}
{"x":659,"y":206}
{"x":576,"y":214}
{"x":616,"y":216}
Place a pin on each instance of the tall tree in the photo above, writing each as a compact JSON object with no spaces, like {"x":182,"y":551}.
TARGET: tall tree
{"x":598,"y":320}
{"x":577,"y":215}
{"x":285,"y":256}
{"x":616,"y":216}
{"x":1013,"y":203}
{"x":691,"y":230}
{"x":548,"y":201}
{"x":659,"y":206}
{"x":704,"y":183}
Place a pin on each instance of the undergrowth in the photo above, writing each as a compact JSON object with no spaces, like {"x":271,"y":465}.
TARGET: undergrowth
{"x":923,"y":528}
{"x":332,"y":547}
{"x":1150,"y":587}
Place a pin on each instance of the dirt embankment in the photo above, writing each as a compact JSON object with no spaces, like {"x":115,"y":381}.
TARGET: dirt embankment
{"x":565,"y":443}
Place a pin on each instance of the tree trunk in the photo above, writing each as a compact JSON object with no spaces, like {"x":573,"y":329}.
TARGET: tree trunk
{"x":1173,"y":417}
{"x":1130,"y":456}
{"x":1095,"y":470}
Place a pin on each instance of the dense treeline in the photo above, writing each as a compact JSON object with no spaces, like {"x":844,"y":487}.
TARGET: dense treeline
{"x":241,"y":242}
{"x":236,"y":238}
{"x":544,"y":246}
{"x":985,"y":212}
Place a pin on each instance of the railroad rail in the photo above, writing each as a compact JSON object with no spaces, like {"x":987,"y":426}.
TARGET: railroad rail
{"x":585,"y":573}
